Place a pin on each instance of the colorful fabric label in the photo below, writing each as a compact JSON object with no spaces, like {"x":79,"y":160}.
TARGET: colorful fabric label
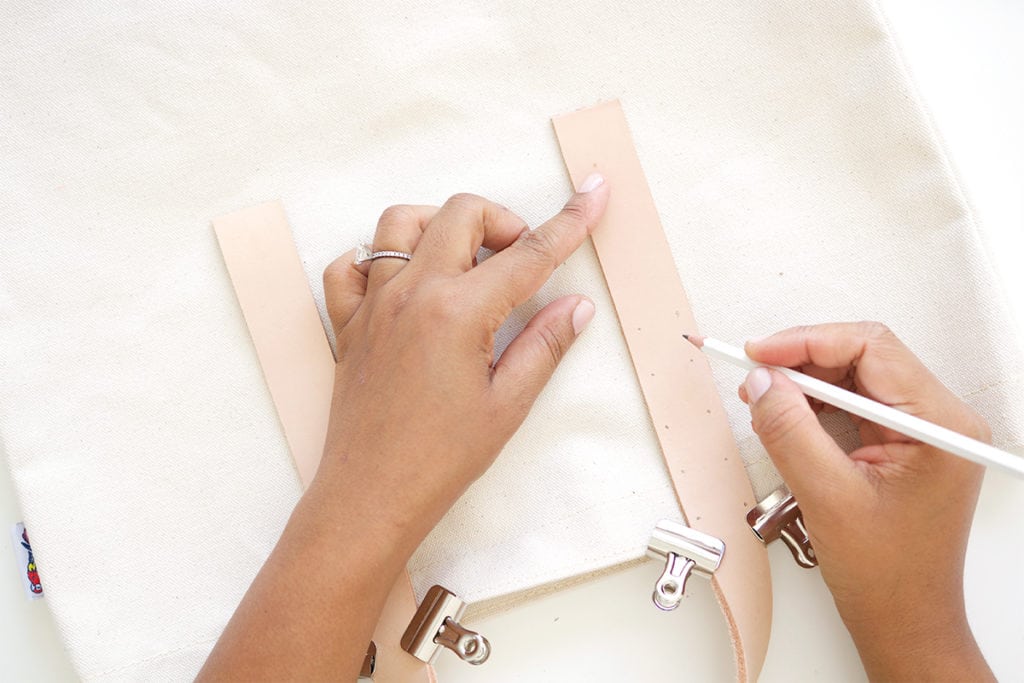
{"x":26,"y":562}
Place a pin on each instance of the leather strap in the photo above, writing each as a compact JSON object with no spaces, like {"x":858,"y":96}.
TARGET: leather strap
{"x":298,"y":366}
{"x":284,"y":324}
{"x":710,"y":481}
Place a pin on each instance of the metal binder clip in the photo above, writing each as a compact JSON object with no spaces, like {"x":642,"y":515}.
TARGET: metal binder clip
{"x":369,"y":663}
{"x":778,"y":516}
{"x":684,"y":551}
{"x":436,"y":625}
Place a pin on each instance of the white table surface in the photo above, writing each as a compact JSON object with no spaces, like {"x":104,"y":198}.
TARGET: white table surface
{"x":968,"y":61}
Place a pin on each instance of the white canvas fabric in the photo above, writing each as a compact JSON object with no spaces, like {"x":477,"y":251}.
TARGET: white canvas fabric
{"x":795,"y":173}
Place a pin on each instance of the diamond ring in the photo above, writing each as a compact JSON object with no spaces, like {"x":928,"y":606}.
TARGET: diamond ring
{"x":366,"y":253}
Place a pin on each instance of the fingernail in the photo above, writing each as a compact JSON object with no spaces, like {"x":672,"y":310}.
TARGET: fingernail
{"x":757,"y":340}
{"x":758,"y":382}
{"x":592,"y":182}
{"x":582,"y":315}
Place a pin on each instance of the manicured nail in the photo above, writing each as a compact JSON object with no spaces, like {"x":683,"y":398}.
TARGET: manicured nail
{"x":592,"y":182}
{"x":758,"y":382}
{"x":582,"y":315}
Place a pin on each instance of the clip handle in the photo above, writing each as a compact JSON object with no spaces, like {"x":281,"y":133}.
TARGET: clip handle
{"x":470,"y":646}
{"x":671,"y":585}
{"x":794,"y":535}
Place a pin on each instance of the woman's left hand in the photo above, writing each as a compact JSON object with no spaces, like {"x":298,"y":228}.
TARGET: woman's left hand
{"x":421,"y":408}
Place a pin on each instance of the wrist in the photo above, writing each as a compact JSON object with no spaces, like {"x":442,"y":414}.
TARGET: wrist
{"x":399,"y":489}
{"x":934,"y":643}
{"x":347,"y":518}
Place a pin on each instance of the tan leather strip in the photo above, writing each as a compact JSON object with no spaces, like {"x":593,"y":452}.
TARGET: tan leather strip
{"x":284,"y":324}
{"x":298,"y":366}
{"x":693,"y":430}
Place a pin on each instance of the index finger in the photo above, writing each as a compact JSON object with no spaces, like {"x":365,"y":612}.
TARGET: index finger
{"x":515,"y":273}
{"x":459,"y":228}
{"x":830,"y":345}
{"x":884,"y":368}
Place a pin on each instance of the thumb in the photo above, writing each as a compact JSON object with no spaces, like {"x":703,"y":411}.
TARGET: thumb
{"x":810,"y":461}
{"x":531,"y":358}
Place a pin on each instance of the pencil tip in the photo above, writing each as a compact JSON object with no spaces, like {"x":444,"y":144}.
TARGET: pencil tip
{"x":695,"y":339}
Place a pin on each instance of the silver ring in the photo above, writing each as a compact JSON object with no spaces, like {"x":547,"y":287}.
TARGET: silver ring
{"x":366,"y":253}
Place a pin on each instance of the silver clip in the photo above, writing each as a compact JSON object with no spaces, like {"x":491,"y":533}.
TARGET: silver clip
{"x":369,"y":663}
{"x":436,"y":625}
{"x":685,"y":551}
{"x":778,"y":516}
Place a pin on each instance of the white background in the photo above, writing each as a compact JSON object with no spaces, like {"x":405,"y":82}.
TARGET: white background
{"x":968,"y":61}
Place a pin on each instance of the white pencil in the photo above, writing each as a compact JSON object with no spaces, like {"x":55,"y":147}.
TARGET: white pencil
{"x":879,"y":413}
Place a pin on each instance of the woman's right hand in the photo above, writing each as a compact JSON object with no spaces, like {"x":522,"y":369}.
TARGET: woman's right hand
{"x":889,"y":521}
